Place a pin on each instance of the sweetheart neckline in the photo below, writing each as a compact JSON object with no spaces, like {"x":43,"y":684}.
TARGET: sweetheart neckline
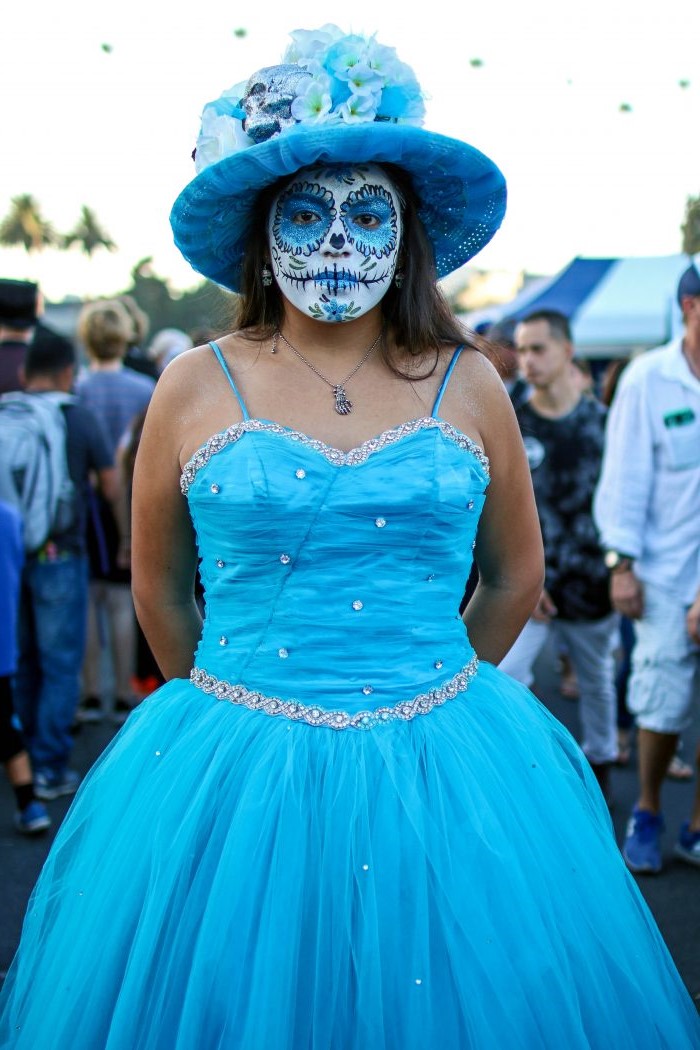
{"x":336,"y":456}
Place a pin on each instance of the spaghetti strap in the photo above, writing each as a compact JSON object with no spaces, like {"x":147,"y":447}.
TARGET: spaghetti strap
{"x":220,"y":358}
{"x":446,"y":379}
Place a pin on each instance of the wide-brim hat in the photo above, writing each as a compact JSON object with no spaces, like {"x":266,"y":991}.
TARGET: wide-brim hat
{"x":245,"y":147}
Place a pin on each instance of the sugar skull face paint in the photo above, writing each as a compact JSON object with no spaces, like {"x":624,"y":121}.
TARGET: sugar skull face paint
{"x":334,"y":235}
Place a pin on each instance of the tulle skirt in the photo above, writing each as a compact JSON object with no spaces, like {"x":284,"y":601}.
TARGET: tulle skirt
{"x":226,"y":880}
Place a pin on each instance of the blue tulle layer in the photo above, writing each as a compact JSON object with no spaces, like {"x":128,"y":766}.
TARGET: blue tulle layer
{"x":230,"y":880}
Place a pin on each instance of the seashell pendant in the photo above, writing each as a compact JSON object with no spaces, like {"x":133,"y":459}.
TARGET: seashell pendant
{"x":343,"y":405}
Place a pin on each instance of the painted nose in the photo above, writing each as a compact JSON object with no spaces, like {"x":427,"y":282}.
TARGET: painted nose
{"x":337,"y":241}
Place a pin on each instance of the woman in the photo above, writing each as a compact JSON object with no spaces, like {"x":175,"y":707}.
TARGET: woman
{"x":346,"y":829}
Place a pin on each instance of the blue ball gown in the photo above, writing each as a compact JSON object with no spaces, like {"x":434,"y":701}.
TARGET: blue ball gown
{"x":343,"y":831}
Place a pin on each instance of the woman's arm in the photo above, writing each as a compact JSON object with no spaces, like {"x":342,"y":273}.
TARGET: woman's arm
{"x":508,"y":550}
{"x":164,"y":557}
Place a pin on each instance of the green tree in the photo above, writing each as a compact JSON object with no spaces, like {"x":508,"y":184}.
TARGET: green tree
{"x":205,"y":307}
{"x":691,"y":226}
{"x":88,"y":233}
{"x":25,"y":226}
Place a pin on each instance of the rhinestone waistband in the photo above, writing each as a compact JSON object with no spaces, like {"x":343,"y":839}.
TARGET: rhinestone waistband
{"x":422,"y":704}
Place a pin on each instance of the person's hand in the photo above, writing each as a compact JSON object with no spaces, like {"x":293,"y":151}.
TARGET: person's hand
{"x":627,"y":594}
{"x":545,"y":608}
{"x":692,"y":621}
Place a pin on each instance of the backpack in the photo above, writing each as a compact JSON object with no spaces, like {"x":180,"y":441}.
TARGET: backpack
{"x":34,"y":465}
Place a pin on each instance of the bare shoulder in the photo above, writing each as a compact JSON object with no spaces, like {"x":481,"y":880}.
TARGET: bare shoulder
{"x":196,"y":376}
{"x":185,"y":374}
{"x":474,"y":370}
{"x":476,"y":399}
{"x":193,"y":399}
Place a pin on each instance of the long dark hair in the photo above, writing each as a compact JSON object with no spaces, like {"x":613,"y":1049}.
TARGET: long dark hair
{"x":417,"y":314}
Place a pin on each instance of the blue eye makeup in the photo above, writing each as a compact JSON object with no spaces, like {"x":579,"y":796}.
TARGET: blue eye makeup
{"x":370,"y":221}
{"x":303,"y":215}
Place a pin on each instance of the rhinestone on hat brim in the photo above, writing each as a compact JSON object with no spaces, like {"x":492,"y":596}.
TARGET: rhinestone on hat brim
{"x":336,"y":456}
{"x":422,"y":704}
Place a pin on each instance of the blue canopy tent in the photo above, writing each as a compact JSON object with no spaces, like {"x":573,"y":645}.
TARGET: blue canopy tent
{"x":617,"y":306}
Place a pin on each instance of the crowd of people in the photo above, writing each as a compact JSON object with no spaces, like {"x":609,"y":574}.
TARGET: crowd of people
{"x":85,"y":658}
{"x":616,"y":474}
{"x":72,"y":650}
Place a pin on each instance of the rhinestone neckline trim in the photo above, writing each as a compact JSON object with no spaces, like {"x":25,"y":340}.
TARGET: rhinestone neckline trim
{"x":404,"y":711}
{"x":336,"y":456}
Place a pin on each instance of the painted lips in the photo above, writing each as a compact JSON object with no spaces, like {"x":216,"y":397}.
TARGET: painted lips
{"x":337,"y":282}
{"x":334,"y":280}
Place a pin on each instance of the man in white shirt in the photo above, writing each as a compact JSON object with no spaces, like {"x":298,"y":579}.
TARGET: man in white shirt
{"x":647,"y":508}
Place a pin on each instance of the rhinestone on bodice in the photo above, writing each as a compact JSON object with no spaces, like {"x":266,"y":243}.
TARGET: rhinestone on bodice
{"x":331,"y":595}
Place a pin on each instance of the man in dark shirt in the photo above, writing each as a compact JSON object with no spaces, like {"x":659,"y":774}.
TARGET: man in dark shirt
{"x":563,"y":433}
{"x":53,"y":602}
{"x":18,"y":315}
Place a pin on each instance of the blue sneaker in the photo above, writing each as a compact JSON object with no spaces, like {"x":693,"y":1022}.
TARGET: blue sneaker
{"x":33,"y":819}
{"x":49,"y":785}
{"x":688,"y":845}
{"x":642,"y":846}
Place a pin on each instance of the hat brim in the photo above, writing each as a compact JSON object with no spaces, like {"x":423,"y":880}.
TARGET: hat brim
{"x":462,"y":193}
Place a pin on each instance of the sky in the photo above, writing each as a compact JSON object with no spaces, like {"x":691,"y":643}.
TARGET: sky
{"x":537,"y":86}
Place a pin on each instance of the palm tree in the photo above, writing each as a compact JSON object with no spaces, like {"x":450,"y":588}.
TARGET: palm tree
{"x":24,"y":225}
{"x":88,"y":234}
{"x":691,"y":227}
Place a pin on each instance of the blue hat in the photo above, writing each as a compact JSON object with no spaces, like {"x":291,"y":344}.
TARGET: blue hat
{"x":689,"y":283}
{"x":336,"y":100}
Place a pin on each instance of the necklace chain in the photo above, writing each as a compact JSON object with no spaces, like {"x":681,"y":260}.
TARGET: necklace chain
{"x":343,"y":406}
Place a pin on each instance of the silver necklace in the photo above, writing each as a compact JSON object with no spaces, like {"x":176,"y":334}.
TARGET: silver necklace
{"x":343,"y":405}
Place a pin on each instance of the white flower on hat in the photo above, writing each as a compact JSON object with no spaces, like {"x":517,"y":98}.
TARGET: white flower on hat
{"x":314,"y":105}
{"x":307,"y":43}
{"x":363,"y":80}
{"x":221,"y":133}
{"x":358,"y":109}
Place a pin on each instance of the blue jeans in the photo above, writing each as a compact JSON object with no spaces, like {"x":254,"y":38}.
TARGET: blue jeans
{"x":52,"y":618}
{"x":590,"y":645}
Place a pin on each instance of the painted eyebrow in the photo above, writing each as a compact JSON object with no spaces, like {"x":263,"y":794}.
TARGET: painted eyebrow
{"x":306,"y":200}
{"x":369,"y":203}
{"x":367,"y":196}
{"x":309,"y":191}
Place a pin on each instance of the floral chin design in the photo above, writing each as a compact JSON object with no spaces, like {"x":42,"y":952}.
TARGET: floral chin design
{"x":334,"y":235}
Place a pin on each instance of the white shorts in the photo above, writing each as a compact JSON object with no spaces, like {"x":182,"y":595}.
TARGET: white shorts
{"x":665,"y":664}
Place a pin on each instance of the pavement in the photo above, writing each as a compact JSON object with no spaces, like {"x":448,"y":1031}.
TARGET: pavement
{"x":673,"y":896}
